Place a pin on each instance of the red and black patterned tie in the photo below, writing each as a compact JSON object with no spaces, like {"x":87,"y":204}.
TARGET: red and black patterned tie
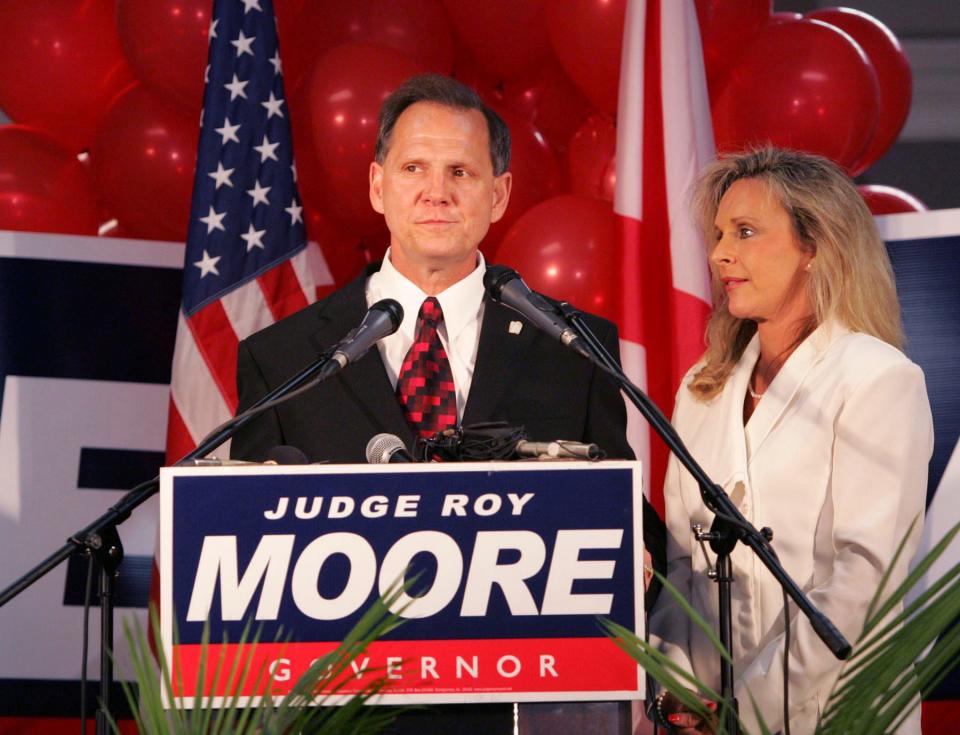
{"x":425,"y":384}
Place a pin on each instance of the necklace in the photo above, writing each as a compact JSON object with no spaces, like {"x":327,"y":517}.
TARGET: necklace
{"x":768,"y":373}
{"x":771,"y":370}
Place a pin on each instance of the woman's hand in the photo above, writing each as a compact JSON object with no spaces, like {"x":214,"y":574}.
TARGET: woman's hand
{"x":685,"y":722}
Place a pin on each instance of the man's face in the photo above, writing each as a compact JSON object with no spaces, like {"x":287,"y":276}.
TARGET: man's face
{"x":436,"y":188}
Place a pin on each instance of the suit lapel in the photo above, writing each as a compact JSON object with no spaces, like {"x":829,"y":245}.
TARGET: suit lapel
{"x":731,"y":443}
{"x":365,"y":381}
{"x":498,"y":355}
{"x":782,"y":392}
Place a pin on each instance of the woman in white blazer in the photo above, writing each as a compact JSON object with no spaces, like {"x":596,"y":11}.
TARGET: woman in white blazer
{"x":805,"y":411}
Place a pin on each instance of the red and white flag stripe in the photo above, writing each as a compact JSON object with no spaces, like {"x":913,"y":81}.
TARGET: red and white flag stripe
{"x":664,"y":138}
{"x":202,"y":388}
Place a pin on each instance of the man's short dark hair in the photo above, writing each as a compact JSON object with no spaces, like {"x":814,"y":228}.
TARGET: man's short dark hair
{"x":446,"y":91}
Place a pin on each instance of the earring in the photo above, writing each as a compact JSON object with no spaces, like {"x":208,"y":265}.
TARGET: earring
{"x":809,"y":265}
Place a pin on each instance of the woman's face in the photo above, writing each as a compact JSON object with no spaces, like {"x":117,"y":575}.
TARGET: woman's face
{"x":758,"y":257}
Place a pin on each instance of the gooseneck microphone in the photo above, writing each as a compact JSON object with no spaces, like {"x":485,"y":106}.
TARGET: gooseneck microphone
{"x":505,"y":286}
{"x":387,"y":448}
{"x":558,"y":449}
{"x":281,"y":454}
{"x":382,"y":319}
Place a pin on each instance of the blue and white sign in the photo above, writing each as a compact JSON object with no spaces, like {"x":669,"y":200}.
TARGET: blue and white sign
{"x":516,"y":560}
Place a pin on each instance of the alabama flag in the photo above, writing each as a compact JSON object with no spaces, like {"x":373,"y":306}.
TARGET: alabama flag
{"x":664,"y":138}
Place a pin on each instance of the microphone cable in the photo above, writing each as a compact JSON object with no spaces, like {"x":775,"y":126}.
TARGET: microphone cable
{"x":494,"y":440}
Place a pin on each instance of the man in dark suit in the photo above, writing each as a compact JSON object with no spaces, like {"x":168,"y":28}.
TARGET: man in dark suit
{"x":440,"y":179}
{"x":522,"y":377}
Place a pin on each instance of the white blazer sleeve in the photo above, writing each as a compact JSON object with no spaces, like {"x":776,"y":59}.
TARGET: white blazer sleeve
{"x":883,"y":442}
{"x":669,"y":625}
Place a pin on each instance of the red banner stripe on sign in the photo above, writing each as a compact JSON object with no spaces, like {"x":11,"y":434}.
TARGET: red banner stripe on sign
{"x":430,"y":667}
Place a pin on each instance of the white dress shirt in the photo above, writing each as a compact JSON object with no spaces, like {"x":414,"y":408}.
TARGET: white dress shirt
{"x":462,"y":305}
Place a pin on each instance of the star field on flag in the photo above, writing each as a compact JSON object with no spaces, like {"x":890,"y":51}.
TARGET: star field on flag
{"x":246,"y":213}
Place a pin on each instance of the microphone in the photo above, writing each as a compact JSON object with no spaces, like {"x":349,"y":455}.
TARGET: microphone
{"x":505,"y":286}
{"x":387,"y":448}
{"x":559,"y":448}
{"x":216,"y":462}
{"x":281,"y":454}
{"x":286,"y":454}
{"x":381,"y":320}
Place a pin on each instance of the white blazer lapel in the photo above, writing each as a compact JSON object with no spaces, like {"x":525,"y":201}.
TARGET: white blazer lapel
{"x":735,"y":480}
{"x":785,"y":386}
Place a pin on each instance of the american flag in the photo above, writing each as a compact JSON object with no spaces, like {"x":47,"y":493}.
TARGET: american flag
{"x":248,"y":261}
{"x":664,"y":138}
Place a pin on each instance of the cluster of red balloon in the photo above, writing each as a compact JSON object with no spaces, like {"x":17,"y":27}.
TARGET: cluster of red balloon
{"x":834,"y":81}
{"x":62,"y":66}
{"x":561,"y":231}
{"x":342,"y":59}
{"x":97,"y":76}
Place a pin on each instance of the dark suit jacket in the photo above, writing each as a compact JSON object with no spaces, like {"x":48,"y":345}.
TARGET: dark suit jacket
{"x":525,"y":379}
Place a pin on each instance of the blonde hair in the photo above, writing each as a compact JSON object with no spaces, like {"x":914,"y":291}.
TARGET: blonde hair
{"x":851,"y":279}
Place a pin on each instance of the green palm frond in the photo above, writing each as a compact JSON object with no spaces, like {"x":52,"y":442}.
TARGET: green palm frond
{"x":301,"y":710}
{"x":881,"y":683}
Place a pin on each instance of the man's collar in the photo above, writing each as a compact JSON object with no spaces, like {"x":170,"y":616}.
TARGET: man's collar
{"x":460,"y":302}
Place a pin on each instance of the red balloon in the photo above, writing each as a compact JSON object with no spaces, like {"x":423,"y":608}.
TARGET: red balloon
{"x":803,"y":85}
{"x":587,"y":37}
{"x":287,"y":12}
{"x":469,"y":72}
{"x":591,"y":159}
{"x":345,"y":252}
{"x":567,"y":247}
{"x":345,"y":90}
{"x":62,"y":64}
{"x":111,"y":228}
{"x":550,"y":102}
{"x":143,"y":161}
{"x":419,"y":29}
{"x":309,"y":172}
{"x":893,"y":76}
{"x":505,"y":37}
{"x":346,"y":245}
{"x":785,"y":16}
{"x":889,"y":200}
{"x":166,"y":44}
{"x":536,"y":175}
{"x":288,"y":26}
{"x":725,"y":28}
{"x":43,"y":187}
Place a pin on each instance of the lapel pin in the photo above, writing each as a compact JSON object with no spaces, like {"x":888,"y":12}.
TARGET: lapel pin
{"x":515,"y":327}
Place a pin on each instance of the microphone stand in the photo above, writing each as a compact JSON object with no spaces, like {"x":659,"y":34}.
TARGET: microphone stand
{"x":102,"y":540}
{"x":729,"y":525}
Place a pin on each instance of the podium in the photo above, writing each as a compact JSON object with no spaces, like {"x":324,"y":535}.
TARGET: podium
{"x":516,"y":560}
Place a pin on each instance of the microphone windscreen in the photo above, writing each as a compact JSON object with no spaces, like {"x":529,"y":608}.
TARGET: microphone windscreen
{"x":382,"y":447}
{"x":392,"y":309}
{"x":285,"y":454}
{"x":496,"y":277}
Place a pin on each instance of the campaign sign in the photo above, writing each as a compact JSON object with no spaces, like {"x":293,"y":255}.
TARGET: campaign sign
{"x":516,"y":561}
